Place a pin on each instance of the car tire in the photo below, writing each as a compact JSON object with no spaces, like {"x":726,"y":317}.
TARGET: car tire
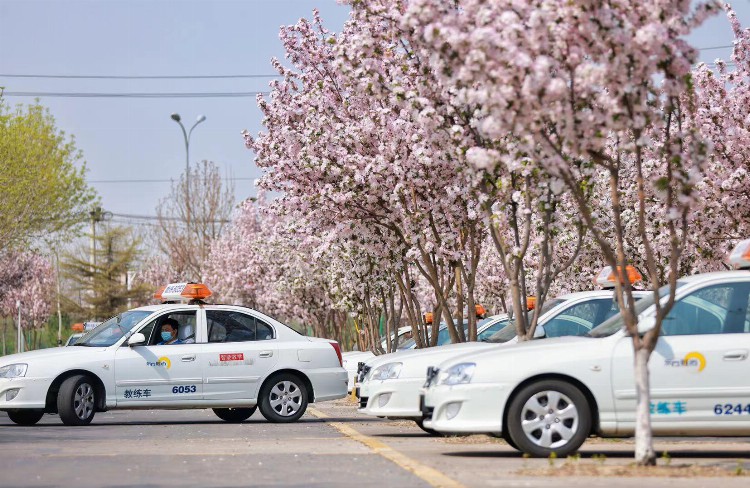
{"x":25,"y":417}
{"x":507,"y":439}
{"x":234,"y":415}
{"x":76,"y":400}
{"x":283,"y":398}
{"x":549,"y":416}
{"x":420,"y":424}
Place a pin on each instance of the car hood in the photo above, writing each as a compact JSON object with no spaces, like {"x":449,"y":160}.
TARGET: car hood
{"x":534,"y":349}
{"x":52,"y":352}
{"x":433,"y":355}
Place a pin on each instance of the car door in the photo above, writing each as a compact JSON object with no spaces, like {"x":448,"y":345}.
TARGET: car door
{"x":698,"y":371}
{"x":160,"y":373}
{"x":241,"y":350}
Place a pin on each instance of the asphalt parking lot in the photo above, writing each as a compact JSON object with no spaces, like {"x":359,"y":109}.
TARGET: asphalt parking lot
{"x":331,"y":446}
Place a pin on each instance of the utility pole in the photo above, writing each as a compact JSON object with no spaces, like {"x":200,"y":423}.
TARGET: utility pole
{"x":59,"y":313}
{"x":97,"y":215}
{"x":19,"y":343}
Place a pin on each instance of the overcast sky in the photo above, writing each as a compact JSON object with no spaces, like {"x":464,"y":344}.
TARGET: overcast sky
{"x":127,"y":139}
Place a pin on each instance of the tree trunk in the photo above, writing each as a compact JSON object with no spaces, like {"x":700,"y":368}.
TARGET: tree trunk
{"x":644,"y":444}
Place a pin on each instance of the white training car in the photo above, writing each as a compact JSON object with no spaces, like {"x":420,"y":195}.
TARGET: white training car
{"x":392,"y":384}
{"x":228,"y":358}
{"x":549,"y":396}
{"x":351,"y":359}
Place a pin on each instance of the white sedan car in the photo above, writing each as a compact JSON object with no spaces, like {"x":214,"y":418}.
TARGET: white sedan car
{"x":392,"y":384}
{"x":351,"y":359}
{"x":229,"y":358}
{"x":549,"y":396}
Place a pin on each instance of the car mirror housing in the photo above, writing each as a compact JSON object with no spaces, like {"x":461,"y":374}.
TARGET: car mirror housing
{"x":539,"y":332}
{"x":646,"y":323}
{"x":137,"y":339}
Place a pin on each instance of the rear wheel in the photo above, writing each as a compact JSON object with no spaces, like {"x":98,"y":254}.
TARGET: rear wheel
{"x":549,"y":416}
{"x":283,"y":399}
{"x":76,"y":400}
{"x":26,"y":417}
{"x":234,"y":415}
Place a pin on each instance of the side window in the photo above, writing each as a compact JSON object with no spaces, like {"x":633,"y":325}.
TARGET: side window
{"x":231,"y":326}
{"x":578,"y":319}
{"x":185,"y":327}
{"x":486,"y":333}
{"x":718,"y":309}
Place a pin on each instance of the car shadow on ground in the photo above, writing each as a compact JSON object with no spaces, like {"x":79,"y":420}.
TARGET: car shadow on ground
{"x":106,"y":423}
{"x":413,"y":435}
{"x":597,"y":454}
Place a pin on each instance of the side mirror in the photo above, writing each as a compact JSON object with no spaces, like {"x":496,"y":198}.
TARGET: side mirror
{"x":539,"y":332}
{"x":137,"y":339}
{"x":646,"y":323}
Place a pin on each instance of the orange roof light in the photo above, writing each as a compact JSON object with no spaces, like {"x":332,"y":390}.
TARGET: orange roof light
{"x":183,"y":292}
{"x":530,"y":303}
{"x":196,"y":291}
{"x":427,"y":317}
{"x":480,"y":310}
{"x":740,"y":256}
{"x":157,"y":295}
{"x":606,"y":277}
{"x":77,"y":327}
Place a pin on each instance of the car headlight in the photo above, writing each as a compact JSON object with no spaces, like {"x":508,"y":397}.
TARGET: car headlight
{"x":456,"y":375}
{"x":389,"y":371}
{"x":13,"y":370}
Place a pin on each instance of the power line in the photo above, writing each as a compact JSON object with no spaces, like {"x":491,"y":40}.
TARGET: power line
{"x":715,"y":47}
{"x":173,"y":219}
{"x":135,"y":95}
{"x":143,"y":77}
{"x":159,"y":181}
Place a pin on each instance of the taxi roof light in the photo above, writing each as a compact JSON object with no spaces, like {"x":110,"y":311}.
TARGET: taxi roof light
{"x":606,"y":277}
{"x":739,"y":258}
{"x":183,"y":292}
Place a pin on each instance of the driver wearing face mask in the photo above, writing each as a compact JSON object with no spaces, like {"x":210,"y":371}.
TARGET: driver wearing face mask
{"x":169,"y":332}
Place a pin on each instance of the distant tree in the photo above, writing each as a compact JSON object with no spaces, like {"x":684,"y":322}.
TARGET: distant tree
{"x":208,"y":202}
{"x":29,"y":278}
{"x":104,"y":285}
{"x":42,"y":179}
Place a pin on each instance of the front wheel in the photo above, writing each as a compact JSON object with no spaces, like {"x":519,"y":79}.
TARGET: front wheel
{"x":26,"y":417}
{"x":234,"y":415}
{"x":283,"y":399}
{"x":76,"y":400}
{"x":420,"y":424}
{"x":548,"y":417}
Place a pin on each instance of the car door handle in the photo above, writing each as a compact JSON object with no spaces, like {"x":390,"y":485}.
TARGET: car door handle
{"x":266,"y":354}
{"x":740,"y":355}
{"x":187,"y":359}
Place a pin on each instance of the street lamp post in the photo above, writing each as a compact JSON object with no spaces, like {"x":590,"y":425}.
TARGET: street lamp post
{"x":186,"y":134}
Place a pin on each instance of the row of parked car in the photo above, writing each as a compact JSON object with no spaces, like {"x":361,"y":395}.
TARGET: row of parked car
{"x":576,"y":378}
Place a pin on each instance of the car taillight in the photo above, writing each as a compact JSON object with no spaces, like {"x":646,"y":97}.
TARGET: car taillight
{"x":337,"y":348}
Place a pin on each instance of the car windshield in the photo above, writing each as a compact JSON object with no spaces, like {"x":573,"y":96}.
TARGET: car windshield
{"x":615,"y":323}
{"x":509,"y":331}
{"x":113,"y":329}
{"x":443,"y":334}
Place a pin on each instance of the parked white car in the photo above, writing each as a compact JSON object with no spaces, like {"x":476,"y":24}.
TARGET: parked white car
{"x":229,"y":358}
{"x":351,"y":359}
{"x":549,"y":396}
{"x":391,"y":386}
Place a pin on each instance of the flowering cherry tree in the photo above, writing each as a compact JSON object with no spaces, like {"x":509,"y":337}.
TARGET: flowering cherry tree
{"x":722,"y":115}
{"x":29,"y":278}
{"x":584,"y":87}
